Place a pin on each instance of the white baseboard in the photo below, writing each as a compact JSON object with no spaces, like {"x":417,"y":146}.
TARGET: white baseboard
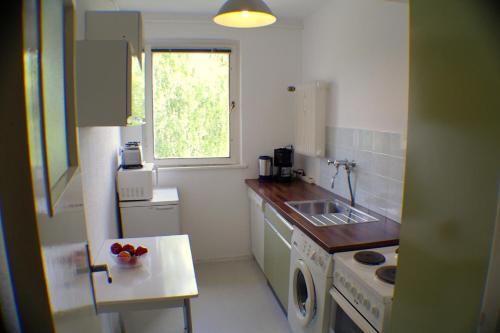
{"x":225,"y":259}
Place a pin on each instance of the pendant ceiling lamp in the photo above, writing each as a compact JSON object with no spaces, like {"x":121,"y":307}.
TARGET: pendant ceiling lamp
{"x":244,"y":14}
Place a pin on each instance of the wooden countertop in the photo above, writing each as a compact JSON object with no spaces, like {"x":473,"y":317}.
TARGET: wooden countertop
{"x":337,"y":238}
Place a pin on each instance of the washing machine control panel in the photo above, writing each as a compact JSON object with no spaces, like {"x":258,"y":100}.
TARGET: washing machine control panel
{"x":312,"y":252}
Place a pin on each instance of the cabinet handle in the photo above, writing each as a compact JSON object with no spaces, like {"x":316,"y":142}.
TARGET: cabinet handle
{"x":97,"y":268}
{"x":273,"y":228}
{"x":282,"y":219}
{"x":162,"y":208}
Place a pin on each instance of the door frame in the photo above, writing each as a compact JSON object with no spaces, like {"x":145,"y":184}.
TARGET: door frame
{"x":17,"y":202}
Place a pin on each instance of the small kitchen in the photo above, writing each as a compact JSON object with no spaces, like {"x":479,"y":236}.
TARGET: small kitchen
{"x":257,"y":166}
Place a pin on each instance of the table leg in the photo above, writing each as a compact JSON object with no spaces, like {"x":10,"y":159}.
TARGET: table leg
{"x":187,"y":316}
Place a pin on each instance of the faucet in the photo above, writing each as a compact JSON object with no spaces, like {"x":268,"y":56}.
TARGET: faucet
{"x":349,"y":166}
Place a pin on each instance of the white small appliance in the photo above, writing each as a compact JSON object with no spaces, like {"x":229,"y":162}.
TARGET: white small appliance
{"x":156,"y":217}
{"x":135,"y":184}
{"x":131,"y":155}
{"x":363,"y":287}
{"x":310,"y":281}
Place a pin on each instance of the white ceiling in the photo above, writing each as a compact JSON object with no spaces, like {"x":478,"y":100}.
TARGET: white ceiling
{"x":287,"y":9}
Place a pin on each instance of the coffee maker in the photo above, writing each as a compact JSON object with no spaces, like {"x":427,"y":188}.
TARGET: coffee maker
{"x":283,"y":161}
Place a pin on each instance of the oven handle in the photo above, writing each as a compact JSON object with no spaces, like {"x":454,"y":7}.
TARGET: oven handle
{"x":358,"y":319}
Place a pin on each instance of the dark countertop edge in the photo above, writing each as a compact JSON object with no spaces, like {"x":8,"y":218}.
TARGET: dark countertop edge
{"x":323,"y":235}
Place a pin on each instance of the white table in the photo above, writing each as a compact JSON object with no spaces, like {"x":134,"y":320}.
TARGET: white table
{"x":165,"y":279}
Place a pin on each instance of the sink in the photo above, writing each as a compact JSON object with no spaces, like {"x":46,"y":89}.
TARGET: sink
{"x":323,"y":213}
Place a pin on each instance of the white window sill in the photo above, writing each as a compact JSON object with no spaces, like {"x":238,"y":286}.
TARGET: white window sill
{"x":201,"y":167}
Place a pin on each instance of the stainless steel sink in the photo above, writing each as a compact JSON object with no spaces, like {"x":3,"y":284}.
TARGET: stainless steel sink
{"x":324,"y":213}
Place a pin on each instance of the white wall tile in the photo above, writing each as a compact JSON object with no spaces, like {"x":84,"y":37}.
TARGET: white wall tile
{"x":364,"y":160}
{"x":365,"y":181}
{"x":396,"y":145}
{"x":365,"y":140}
{"x":395,"y":191}
{"x":381,"y":164}
{"x":381,"y":142}
{"x":378,"y":176}
{"x":396,"y":168}
{"x":380,"y":187}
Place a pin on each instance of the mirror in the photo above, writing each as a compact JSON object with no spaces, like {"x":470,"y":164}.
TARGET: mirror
{"x":57,"y":77}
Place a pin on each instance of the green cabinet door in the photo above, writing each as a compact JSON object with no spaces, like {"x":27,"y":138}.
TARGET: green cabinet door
{"x":277,"y":262}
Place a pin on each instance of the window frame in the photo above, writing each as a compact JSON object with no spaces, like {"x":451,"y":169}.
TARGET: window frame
{"x":234,"y":96}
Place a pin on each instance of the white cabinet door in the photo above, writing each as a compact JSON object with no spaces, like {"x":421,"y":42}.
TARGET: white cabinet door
{"x":103,"y":82}
{"x":150,"y":221}
{"x":115,"y":25}
{"x":309,"y":128}
{"x":257,"y":227}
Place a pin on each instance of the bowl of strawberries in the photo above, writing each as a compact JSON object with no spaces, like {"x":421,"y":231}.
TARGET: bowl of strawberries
{"x":128,"y":256}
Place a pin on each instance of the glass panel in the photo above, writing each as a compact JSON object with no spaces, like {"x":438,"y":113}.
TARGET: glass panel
{"x":342,"y":323}
{"x":301,"y":292}
{"x":190,"y":104}
{"x":138,"y":108}
{"x":53,"y":89}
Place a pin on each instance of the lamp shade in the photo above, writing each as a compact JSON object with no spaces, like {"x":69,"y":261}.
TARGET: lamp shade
{"x":244,"y":14}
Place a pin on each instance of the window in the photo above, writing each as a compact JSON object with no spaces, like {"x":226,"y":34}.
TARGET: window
{"x":192,"y":117}
{"x":137,"y":98}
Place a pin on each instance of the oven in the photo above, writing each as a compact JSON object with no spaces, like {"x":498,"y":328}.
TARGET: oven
{"x":344,"y":318}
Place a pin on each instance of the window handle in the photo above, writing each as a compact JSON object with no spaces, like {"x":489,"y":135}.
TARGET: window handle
{"x":233,"y":105}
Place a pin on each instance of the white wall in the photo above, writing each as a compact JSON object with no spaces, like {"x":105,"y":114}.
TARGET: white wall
{"x":360,"y":47}
{"x":214,"y":205}
{"x":98,"y":162}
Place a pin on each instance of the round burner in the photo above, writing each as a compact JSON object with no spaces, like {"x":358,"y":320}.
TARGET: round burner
{"x":387,"y":274}
{"x":369,"y":257}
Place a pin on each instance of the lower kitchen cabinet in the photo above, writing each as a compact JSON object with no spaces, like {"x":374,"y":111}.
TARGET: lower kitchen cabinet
{"x":257,"y":227}
{"x":277,"y":237}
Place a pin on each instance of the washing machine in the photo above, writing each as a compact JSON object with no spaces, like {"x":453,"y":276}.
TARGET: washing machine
{"x":310,"y":280}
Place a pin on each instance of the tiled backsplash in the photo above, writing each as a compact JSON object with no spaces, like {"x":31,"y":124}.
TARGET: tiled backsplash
{"x":377,"y":179}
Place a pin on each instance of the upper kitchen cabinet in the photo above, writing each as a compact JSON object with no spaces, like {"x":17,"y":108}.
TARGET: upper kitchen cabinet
{"x":116,"y":25}
{"x":109,"y":84}
{"x":309,"y":131}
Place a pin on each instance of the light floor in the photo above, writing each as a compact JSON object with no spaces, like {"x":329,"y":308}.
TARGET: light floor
{"x":234,"y":298}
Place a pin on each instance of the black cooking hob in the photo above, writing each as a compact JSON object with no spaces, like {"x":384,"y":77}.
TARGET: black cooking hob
{"x":387,"y":274}
{"x":369,"y":257}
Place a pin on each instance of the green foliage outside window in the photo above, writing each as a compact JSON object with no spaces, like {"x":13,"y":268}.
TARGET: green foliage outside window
{"x":190,"y":104}
{"x":138,"y":107}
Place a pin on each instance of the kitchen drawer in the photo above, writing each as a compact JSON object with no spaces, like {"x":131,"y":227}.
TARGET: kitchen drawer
{"x":282,"y":226}
{"x":150,"y":221}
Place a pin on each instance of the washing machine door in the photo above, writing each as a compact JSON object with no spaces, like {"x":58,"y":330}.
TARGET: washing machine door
{"x":304,"y":296}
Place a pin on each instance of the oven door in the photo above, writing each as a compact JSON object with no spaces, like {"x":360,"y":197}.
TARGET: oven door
{"x":345,"y":318}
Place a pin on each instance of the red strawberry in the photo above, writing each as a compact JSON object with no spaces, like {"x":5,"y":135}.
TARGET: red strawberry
{"x":116,"y":248}
{"x":140,"y":251}
{"x":129,"y":248}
